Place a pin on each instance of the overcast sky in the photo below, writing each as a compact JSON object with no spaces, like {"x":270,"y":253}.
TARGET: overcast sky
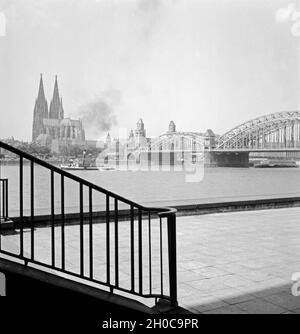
{"x":203,"y":63}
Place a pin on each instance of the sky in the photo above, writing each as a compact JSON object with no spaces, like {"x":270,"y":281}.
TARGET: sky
{"x":202,"y":63}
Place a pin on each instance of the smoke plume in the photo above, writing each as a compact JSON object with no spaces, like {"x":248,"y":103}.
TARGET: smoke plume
{"x":98,"y":116}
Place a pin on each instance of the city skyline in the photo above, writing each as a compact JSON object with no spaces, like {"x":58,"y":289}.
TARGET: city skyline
{"x":204,"y":64}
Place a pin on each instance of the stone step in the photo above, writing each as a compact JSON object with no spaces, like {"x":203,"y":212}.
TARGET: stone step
{"x":6,"y":224}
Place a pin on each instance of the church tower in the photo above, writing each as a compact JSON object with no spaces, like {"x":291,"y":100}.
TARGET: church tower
{"x":56,"y":108}
{"x":40,"y":112}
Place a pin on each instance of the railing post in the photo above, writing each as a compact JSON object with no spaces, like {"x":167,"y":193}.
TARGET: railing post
{"x":21,"y":205}
{"x":172,"y":258}
{"x":6,"y":199}
{"x":1,"y":211}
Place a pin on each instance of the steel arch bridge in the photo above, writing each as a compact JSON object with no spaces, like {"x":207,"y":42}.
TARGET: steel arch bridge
{"x":279,"y":130}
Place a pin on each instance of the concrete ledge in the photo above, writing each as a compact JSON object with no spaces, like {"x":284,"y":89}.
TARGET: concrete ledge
{"x":6,"y":224}
{"x":182,"y":210}
{"x":260,"y":204}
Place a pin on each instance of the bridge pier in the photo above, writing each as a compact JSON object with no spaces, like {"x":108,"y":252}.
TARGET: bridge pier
{"x":226,"y":159}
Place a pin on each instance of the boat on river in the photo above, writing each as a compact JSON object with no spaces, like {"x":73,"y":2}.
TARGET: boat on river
{"x":67,"y":167}
{"x":78,"y":165}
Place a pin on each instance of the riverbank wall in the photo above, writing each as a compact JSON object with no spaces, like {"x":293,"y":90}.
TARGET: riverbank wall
{"x":182,"y":210}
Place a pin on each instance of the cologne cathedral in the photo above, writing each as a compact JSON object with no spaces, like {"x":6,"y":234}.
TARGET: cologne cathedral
{"x":50,"y":127}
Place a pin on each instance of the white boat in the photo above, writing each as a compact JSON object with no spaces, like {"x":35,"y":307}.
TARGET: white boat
{"x":74,"y":167}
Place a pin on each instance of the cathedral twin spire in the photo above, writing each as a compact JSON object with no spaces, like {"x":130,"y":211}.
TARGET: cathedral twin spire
{"x":41,"y":108}
{"x":41,"y":94}
{"x":56,"y":107}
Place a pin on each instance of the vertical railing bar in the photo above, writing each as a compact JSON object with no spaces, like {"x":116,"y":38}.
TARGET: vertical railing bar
{"x":62,"y":198}
{"x":150,"y":253}
{"x":6,"y":198}
{"x":172,"y":251}
{"x":21,"y":206}
{"x":107,"y":241}
{"x":116,"y":244}
{"x":161,"y":257}
{"x":81,"y":229}
{"x":32,"y":207}
{"x":140,"y":251}
{"x":1,"y":185}
{"x":52,"y":220}
{"x":2,"y":199}
{"x":5,"y":190}
{"x":91,"y":230}
{"x":132,"y":247}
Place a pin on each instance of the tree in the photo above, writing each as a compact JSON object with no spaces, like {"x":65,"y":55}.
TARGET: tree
{"x":78,"y":151}
{"x":34,"y":149}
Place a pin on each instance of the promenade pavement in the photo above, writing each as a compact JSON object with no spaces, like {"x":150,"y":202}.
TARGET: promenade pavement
{"x":235,"y":262}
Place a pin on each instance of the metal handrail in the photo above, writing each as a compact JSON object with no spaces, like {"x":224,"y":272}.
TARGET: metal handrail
{"x":136,"y":211}
{"x":71,"y":176}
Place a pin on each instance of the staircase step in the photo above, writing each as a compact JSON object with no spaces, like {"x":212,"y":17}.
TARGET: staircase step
{"x":6,"y":224}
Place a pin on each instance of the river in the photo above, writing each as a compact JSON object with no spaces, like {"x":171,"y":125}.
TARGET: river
{"x":158,"y":187}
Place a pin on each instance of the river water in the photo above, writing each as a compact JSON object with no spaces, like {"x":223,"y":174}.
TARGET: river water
{"x":157,"y":187}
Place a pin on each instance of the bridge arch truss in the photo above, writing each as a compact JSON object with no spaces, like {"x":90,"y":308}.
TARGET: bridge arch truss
{"x":277,"y":130}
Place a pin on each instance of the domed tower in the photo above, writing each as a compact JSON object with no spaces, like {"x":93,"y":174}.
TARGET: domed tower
{"x":172,"y":127}
{"x":140,"y":134}
{"x":140,"y":129}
